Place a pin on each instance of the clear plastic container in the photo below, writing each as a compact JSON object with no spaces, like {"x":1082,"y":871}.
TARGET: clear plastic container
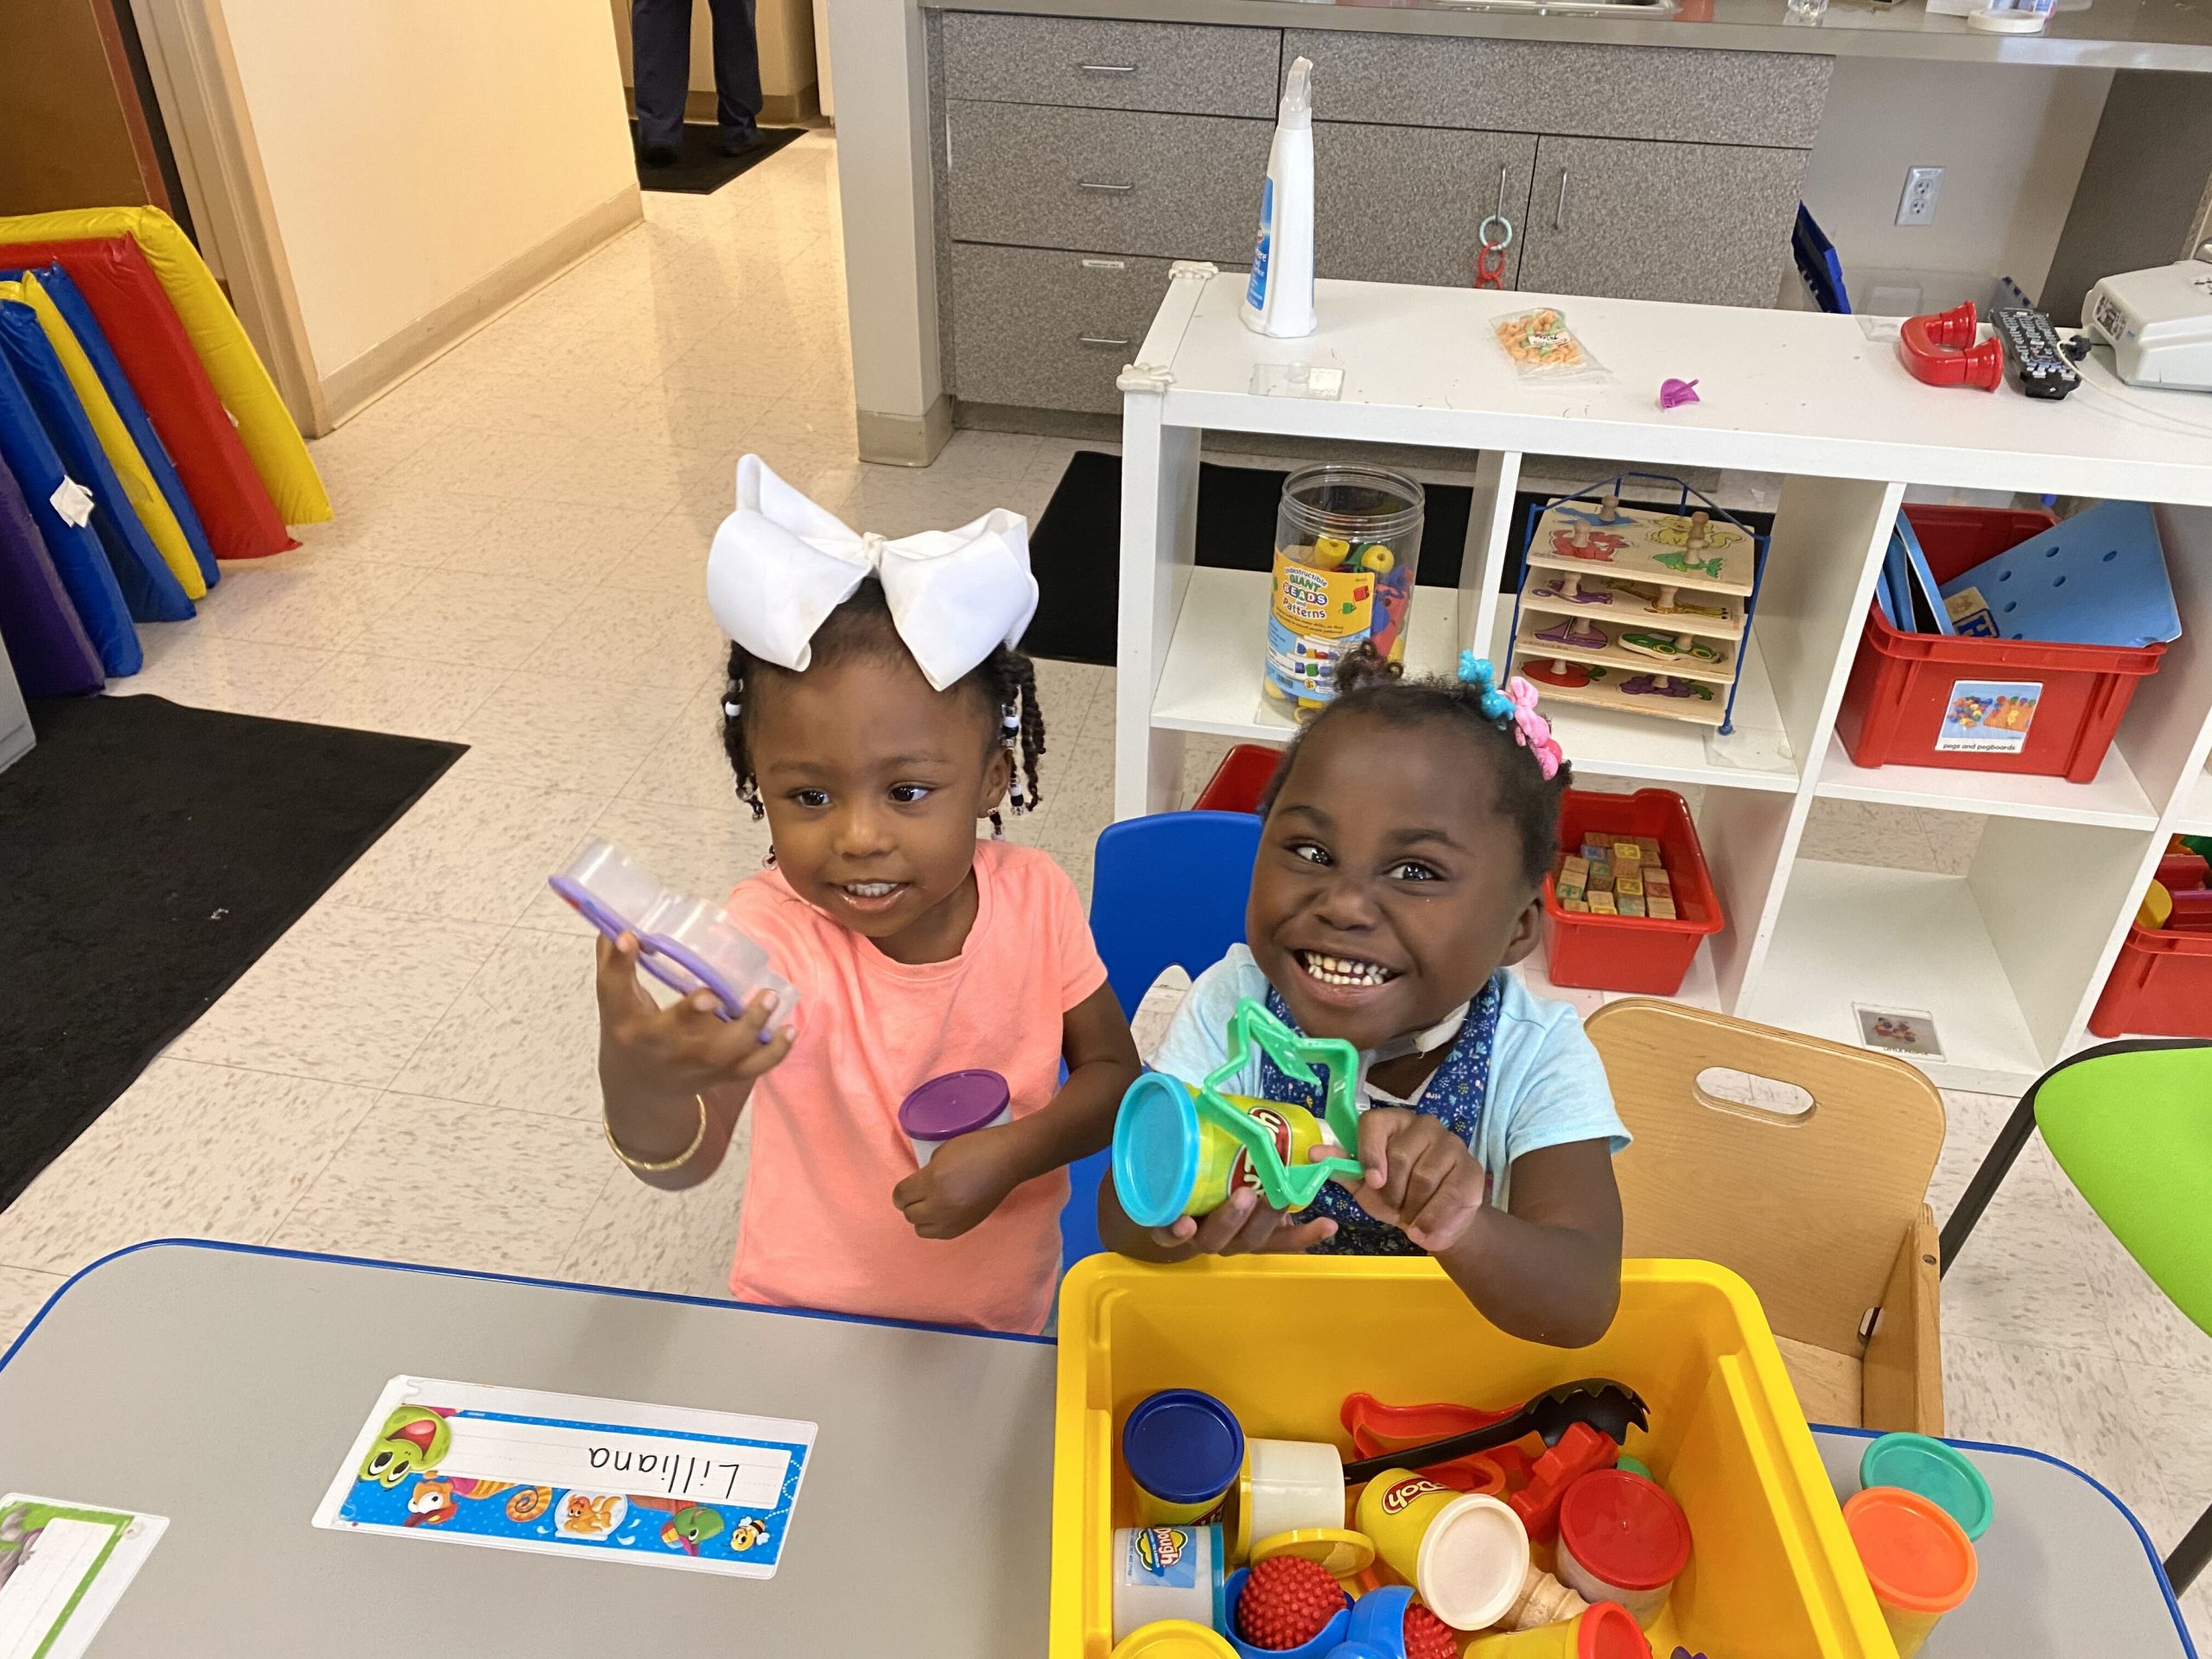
{"x":1347,"y":548}
{"x":685,"y":944}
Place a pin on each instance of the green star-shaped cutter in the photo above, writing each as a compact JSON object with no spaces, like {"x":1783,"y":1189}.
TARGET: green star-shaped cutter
{"x":1285,"y":1187}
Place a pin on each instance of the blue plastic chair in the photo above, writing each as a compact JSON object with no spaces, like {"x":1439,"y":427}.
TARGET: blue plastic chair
{"x":1166,"y":892}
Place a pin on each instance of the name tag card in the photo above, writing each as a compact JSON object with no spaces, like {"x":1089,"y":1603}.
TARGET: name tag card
{"x":705,"y":1491}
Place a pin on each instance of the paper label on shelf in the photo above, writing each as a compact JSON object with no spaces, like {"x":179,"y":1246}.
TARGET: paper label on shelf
{"x":515,"y":1468}
{"x":1899,"y":1031}
{"x":1988,"y":716}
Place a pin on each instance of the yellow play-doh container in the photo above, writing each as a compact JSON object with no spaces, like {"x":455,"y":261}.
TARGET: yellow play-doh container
{"x":1170,"y":1160}
{"x":1466,"y":1552}
{"x":1605,"y":1629}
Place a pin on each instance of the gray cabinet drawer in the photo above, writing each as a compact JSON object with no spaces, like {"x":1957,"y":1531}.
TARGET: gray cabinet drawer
{"x":1191,"y":68}
{"x":1609,"y":92}
{"x":1184,"y":186}
{"x":1403,"y":204}
{"x":1048,"y":330}
{"x":1704,"y":223}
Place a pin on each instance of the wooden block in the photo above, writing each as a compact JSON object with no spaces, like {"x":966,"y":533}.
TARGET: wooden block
{"x":1601,"y":903}
{"x":1627,"y":852}
{"x":1629,"y":884}
{"x":1575,"y":867}
{"x":1596,"y":852}
{"x":1660,"y":910}
{"x":1569,"y":891}
{"x":1650,"y":845}
{"x":1574,"y":905}
{"x":1601,"y":873}
{"x":1631,"y":904}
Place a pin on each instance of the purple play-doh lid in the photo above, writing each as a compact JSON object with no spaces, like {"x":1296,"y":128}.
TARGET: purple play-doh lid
{"x":953,"y":1104}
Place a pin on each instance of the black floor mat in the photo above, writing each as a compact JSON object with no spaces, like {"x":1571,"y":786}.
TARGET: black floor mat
{"x":702,"y":168}
{"x":1075,"y":548}
{"x":153,"y":852}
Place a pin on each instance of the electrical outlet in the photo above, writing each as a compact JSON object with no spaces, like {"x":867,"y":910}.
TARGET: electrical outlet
{"x":1917,"y":204}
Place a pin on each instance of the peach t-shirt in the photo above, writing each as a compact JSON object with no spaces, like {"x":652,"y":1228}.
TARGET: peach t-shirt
{"x":818,"y":1228}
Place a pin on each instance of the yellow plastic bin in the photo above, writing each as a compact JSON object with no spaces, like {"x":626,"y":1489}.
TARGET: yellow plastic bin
{"x":1281,"y":1340}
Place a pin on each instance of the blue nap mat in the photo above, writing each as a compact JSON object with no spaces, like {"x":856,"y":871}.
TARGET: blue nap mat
{"x":77,"y":557}
{"x":52,"y":654}
{"x":150,"y":589}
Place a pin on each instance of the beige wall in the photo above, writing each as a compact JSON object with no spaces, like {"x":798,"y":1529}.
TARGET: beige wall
{"x":785,"y":28}
{"x":418,"y":149}
{"x":2011,"y":139}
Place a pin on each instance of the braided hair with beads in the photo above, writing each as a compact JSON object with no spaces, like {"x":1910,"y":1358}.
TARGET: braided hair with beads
{"x":1006,"y":679}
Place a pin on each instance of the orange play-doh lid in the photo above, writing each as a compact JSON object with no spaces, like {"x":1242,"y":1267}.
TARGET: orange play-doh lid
{"x":1918,"y":1558}
{"x":1608,"y":1630}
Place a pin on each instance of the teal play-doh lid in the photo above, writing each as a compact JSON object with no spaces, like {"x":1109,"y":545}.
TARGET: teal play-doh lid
{"x":1942,"y":1474}
{"x":1155,"y":1150}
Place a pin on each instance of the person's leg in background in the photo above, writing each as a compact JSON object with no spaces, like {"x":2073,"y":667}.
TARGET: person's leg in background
{"x":737,"y":73}
{"x":660,"y":58}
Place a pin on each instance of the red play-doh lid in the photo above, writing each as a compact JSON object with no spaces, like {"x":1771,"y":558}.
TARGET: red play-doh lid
{"x":1608,"y":1630}
{"x":1624,"y":1530}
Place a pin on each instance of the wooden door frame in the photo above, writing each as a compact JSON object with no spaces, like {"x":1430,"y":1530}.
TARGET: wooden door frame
{"x":195,"y":76}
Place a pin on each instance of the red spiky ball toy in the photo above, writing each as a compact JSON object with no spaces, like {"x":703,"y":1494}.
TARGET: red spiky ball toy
{"x":1427,"y":1637}
{"x":1286,"y":1602}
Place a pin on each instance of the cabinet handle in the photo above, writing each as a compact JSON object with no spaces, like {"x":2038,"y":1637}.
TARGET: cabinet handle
{"x":1108,"y":68}
{"x":1101,"y":340}
{"x":1501,"y":189}
{"x":1104,"y":189}
{"x":1559,"y":207}
{"x":1105,"y":264}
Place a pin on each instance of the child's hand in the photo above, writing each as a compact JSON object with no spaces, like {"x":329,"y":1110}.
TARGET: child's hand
{"x":1419,"y":1177}
{"x":1246,"y":1225}
{"x":678,"y":1051}
{"x":965,"y":1179}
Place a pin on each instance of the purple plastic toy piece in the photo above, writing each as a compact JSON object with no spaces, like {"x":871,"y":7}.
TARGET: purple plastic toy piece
{"x":1673,"y":394}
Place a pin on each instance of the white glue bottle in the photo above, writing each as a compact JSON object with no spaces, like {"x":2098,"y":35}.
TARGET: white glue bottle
{"x":1279,"y":300}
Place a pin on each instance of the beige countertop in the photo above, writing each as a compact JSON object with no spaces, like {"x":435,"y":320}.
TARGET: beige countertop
{"x":2103,"y":34}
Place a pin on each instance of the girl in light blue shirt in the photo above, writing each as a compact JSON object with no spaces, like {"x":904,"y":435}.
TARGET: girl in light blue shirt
{"x":1407,"y":836}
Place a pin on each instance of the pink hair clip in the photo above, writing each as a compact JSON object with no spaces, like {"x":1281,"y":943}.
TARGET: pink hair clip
{"x":1531,"y":729}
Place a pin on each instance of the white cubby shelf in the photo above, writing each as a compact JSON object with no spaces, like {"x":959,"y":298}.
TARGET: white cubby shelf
{"x":2008,"y":956}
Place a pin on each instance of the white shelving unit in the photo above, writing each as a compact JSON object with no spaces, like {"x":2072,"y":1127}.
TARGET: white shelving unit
{"x":2007,"y":958}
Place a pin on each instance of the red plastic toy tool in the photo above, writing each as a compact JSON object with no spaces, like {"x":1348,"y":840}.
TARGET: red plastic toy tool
{"x":1377,"y":1427}
{"x":1580,"y":1451}
{"x":1940,"y":350}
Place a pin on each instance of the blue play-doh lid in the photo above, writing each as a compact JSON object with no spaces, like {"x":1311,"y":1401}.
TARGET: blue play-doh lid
{"x":1182,"y":1446}
{"x":1155,"y":1150}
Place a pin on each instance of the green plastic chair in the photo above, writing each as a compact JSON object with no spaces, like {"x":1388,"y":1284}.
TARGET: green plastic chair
{"x":2131,"y":1125}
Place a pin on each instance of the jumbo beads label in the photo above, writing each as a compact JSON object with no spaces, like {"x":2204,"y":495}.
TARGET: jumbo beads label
{"x":1164,"y":1556}
{"x":1396,"y":1499}
{"x":1316,"y":618}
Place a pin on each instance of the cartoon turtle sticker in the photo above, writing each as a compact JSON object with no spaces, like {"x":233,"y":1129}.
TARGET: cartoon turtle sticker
{"x":690,"y":1526}
{"x":412,"y":1437}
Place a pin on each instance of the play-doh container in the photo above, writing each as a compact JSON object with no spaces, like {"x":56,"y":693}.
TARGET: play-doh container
{"x":1283,"y":1340}
{"x":1321,"y":1646}
{"x":1171,"y":1161}
{"x":958,"y":1103}
{"x":1182,"y":1450}
{"x":1942,"y":1474}
{"x":1466,"y":1552}
{"x":1621,"y":1538}
{"x":1292,"y":1486}
{"x":1918,"y":1560}
{"x":1174,"y":1638}
{"x":1605,"y":1629}
{"x":1167,"y":1572}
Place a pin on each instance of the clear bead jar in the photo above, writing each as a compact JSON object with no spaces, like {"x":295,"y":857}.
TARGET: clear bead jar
{"x":1347,"y":547}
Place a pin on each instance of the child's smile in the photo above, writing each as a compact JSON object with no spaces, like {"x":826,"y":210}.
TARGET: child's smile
{"x":1389,"y":886}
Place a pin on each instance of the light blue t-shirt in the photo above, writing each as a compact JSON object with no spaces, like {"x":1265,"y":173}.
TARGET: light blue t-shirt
{"x":1547,"y":1086}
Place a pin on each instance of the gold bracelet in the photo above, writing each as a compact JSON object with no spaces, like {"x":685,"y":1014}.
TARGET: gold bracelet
{"x":661,"y":1165}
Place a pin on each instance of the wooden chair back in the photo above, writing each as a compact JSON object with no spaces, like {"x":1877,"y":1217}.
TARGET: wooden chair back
{"x":1811,"y":1207}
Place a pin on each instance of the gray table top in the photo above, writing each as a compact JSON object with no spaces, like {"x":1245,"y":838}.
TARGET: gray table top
{"x":2065,"y":1569}
{"x":222,"y":1387}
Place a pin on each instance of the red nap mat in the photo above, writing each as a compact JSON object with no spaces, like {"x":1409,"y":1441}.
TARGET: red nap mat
{"x":142,"y":327}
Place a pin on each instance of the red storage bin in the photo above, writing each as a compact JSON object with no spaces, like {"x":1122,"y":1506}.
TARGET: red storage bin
{"x":1901,"y":683}
{"x":1239,"y":780}
{"x":2160,"y":986}
{"x":1631,"y":953}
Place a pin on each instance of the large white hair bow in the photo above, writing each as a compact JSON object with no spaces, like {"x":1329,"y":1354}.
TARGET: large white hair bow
{"x":780,"y":564}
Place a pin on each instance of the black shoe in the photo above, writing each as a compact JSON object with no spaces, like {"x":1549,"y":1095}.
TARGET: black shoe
{"x":737,"y":144}
{"x":658,"y":155}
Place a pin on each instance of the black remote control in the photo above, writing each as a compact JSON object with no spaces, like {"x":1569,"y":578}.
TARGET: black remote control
{"x":2033,"y":357}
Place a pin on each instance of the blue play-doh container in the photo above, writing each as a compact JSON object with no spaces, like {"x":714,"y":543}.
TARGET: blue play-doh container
{"x":1942,"y":1474}
{"x":1332,"y":1633}
{"x":1378,"y":1620}
{"x":1182,"y":1450}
